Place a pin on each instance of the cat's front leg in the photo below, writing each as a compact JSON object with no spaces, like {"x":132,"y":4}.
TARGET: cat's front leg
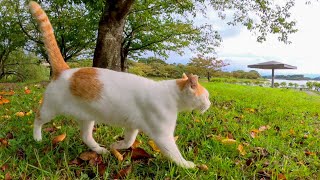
{"x":168,"y":147}
{"x":129,"y":138}
{"x":86,"y":128}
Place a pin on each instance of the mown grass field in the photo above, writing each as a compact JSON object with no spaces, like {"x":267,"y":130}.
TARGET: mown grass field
{"x":248,"y":133}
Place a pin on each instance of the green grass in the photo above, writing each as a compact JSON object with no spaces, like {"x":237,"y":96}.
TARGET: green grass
{"x":236,"y":110}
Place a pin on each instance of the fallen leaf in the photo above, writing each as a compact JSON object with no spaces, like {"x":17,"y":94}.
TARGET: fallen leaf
{"x":229,"y":135}
{"x":241,"y":150}
{"x":308,"y":153}
{"x":263,"y":128}
{"x":21,"y":154}
{"x":4,"y":167}
{"x":20,"y":114}
{"x":29,"y":113}
{"x":102,"y":169}
{"x":7,"y":176}
{"x":153,"y":145}
{"x":27,"y":91}
{"x":203,"y":167}
{"x":86,"y":156}
{"x":9,"y":135}
{"x":281,"y":177}
{"x":197,"y":120}
{"x":4,"y":100}
{"x":139,"y":154}
{"x":250,"y":110}
{"x":292,"y":132}
{"x":4,"y":142}
{"x":254,"y":133}
{"x":228,"y":141}
{"x":117,"y":154}
{"x":6,"y":117}
{"x":59,"y":138}
{"x":136,"y":143}
{"x":50,"y":129}
{"x":123,"y":172}
{"x":76,"y":161}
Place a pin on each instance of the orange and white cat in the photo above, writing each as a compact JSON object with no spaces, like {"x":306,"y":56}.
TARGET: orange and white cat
{"x":116,"y":98}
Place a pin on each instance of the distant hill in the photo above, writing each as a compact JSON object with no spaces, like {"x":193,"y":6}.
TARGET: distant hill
{"x":293,"y":77}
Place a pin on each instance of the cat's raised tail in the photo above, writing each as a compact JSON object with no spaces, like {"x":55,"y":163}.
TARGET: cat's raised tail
{"x":56,"y":60}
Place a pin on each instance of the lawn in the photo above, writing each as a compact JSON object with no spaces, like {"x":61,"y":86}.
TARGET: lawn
{"x":248,"y":133}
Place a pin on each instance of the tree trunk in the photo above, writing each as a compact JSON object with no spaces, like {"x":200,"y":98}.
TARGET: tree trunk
{"x":107,"y":53}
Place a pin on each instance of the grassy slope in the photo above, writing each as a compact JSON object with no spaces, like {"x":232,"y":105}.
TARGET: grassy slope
{"x":293,"y":117}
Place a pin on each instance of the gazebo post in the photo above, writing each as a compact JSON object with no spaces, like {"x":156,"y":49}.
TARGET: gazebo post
{"x":272,"y":81}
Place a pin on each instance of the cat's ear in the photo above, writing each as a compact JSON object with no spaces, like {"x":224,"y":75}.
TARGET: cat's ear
{"x":184,"y":76}
{"x":193,"y":81}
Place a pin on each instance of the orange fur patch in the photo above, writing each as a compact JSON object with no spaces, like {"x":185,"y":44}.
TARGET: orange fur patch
{"x":200,"y":90}
{"x":85,"y":84}
{"x":181,"y":83}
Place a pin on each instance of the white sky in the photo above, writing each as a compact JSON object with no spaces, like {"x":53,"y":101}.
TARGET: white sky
{"x":240,"y":48}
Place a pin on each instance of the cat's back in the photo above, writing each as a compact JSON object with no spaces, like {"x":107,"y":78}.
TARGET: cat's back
{"x":89,"y":82}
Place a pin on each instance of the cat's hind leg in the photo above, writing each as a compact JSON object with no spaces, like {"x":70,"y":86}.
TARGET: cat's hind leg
{"x":168,"y":147}
{"x":129,"y":138}
{"x":86,"y":128}
{"x":43,"y":116}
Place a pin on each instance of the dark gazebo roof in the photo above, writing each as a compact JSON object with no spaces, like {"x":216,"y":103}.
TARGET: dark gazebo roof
{"x":272,"y":65}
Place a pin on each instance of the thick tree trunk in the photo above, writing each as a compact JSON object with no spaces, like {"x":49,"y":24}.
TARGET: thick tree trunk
{"x":108,"y":48}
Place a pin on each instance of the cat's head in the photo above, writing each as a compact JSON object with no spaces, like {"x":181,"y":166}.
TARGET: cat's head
{"x":194,"y":96}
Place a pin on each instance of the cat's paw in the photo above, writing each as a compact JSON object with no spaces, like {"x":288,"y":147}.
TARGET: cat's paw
{"x":100,"y":150}
{"x":188,"y":164}
{"x":120,"y":145}
{"x":37,"y":138}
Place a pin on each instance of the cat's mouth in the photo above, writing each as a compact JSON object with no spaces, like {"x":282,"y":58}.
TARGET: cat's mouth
{"x":203,"y":109}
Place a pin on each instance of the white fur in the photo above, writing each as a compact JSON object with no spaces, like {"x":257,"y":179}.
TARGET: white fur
{"x":129,"y":101}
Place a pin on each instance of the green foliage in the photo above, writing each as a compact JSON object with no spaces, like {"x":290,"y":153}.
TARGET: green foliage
{"x":11,"y":37}
{"x":283,"y":84}
{"x":276,"y":84}
{"x":24,"y":67}
{"x":75,"y":26}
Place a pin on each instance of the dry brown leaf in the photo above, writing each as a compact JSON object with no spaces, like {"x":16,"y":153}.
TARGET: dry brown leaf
{"x":76,"y":161}
{"x":254,"y":133}
{"x":4,"y":142}
{"x":136,"y":143}
{"x":27,"y":91}
{"x":20,"y":114}
{"x":203,"y":167}
{"x":292,"y":132}
{"x":263,"y":128}
{"x":123,"y":172}
{"x":102,"y":169}
{"x":50,"y":129}
{"x":117,"y":154}
{"x":4,"y":167}
{"x":59,"y":138}
{"x":7,"y":176}
{"x":308,"y":153}
{"x":9,"y":135}
{"x":88,"y":155}
{"x":228,"y":141}
{"x":153,"y":145}
{"x":241,"y":150}
{"x":6,"y":117}
{"x":139,"y":154}
{"x":281,"y":177}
